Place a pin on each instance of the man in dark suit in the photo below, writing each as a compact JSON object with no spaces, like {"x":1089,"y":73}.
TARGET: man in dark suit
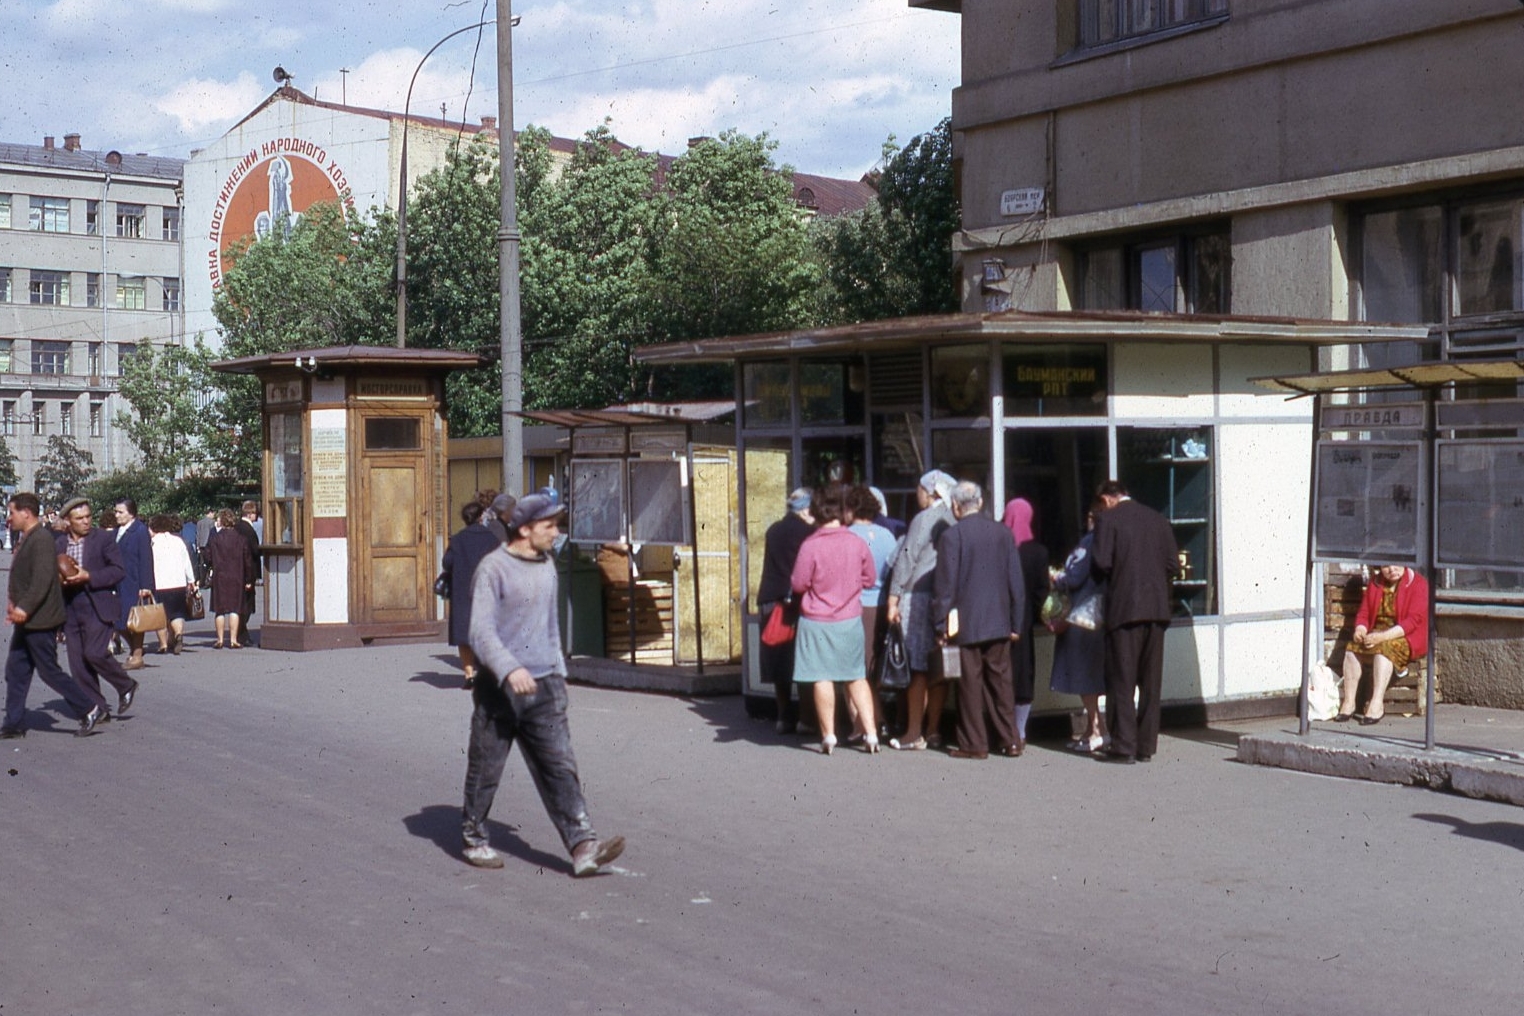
{"x":136,"y":548}
{"x":979,"y":574}
{"x":1135,"y":550}
{"x":92,"y":606}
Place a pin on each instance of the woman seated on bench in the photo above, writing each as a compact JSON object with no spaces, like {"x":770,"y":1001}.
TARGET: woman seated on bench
{"x":1391,"y":628}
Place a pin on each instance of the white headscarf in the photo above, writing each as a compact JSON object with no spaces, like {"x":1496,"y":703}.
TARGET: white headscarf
{"x":938,"y":484}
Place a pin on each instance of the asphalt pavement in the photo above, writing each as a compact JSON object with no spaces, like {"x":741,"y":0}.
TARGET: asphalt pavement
{"x":278,"y":833}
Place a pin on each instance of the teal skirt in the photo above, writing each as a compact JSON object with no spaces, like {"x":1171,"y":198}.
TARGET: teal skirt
{"x":829,"y":651}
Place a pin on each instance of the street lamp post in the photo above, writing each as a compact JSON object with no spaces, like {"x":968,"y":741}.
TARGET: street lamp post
{"x":508,"y":263}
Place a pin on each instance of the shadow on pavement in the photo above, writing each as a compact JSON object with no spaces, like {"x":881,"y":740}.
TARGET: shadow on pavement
{"x":450,"y":679}
{"x":440,"y":825}
{"x":1509,"y":834}
{"x":727,"y":716}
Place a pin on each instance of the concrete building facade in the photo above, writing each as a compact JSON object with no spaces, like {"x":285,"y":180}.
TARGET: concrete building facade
{"x":90,"y":268}
{"x":1356,"y":160}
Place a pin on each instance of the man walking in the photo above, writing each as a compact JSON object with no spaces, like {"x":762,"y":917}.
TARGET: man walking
{"x":251,"y":529}
{"x":136,"y":548}
{"x":520,"y":691}
{"x":91,"y":603}
{"x":36,"y":610}
{"x":1135,"y":551}
{"x":979,"y":575}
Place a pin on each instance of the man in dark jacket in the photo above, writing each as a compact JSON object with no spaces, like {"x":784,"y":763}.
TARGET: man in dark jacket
{"x":780,"y":551}
{"x":136,"y":547}
{"x":1135,"y":551}
{"x":91,"y":603}
{"x":36,"y":609}
{"x":979,"y":575}
{"x":246,"y":529}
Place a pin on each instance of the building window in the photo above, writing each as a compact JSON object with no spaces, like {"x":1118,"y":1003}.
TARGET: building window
{"x":124,"y":354}
{"x":130,"y":219}
{"x":171,"y":225}
{"x":49,"y":288}
{"x":1172,"y":275}
{"x":8,"y":418}
{"x":1171,"y":472}
{"x":5,"y":211}
{"x":97,"y":413}
{"x":7,"y":355}
{"x":49,"y":215}
{"x":93,"y":358}
{"x":131,"y":294}
{"x":66,"y":418}
{"x":5,"y":285}
{"x":1107,"y":21}
{"x":171,"y":294}
{"x":93,"y":289}
{"x":39,"y":417}
{"x":92,"y":217}
{"x":50,"y":357}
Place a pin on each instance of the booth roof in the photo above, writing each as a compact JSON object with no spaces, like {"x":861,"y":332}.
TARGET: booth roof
{"x":1418,"y":375}
{"x":353,"y":356}
{"x":1033,"y":327}
{"x":638,"y":414}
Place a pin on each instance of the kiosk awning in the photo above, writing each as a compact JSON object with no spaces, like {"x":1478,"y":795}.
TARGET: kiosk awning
{"x":1419,"y":375}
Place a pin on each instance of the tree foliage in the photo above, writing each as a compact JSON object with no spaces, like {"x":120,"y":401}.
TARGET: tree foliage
{"x":166,"y":389}
{"x":8,"y":475}
{"x":63,"y":470}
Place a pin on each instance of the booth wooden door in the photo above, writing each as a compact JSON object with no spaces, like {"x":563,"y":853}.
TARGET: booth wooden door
{"x":395,"y":555}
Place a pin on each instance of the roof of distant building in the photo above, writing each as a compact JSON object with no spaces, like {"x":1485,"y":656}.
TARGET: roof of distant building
{"x":79,"y":160}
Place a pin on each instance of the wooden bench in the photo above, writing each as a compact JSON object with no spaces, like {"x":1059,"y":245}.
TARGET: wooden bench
{"x":1341,"y":602}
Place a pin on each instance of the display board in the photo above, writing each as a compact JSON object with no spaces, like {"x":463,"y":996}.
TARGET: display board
{"x":1481,"y":504}
{"x":1370,"y":502}
{"x":658,"y":513}
{"x":597,"y":501}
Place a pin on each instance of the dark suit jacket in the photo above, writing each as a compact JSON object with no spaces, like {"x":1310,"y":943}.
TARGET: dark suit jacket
{"x":1135,"y":551}
{"x":136,"y":548}
{"x":979,"y":573}
{"x":103,"y":560}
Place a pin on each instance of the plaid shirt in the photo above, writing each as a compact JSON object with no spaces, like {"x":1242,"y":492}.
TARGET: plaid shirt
{"x":76,"y":549}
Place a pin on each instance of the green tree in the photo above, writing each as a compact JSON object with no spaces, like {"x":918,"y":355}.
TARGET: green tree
{"x":63,"y":470}
{"x":8,"y":475}
{"x":165,"y":389}
{"x":143,"y":484}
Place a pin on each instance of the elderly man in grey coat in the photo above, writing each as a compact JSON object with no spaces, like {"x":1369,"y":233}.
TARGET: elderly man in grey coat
{"x":979,"y":576}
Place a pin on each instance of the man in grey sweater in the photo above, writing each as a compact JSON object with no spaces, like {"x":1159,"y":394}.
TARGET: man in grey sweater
{"x":520,"y":691}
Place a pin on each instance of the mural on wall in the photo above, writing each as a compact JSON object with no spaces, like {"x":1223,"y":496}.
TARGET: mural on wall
{"x":268,"y":190}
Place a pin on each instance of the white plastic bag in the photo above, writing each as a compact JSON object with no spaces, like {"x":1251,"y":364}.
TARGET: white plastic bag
{"x":1322,"y":693}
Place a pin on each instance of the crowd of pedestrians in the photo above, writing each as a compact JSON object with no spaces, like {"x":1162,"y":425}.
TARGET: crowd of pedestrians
{"x":963,"y":594}
{"x":76,"y":584}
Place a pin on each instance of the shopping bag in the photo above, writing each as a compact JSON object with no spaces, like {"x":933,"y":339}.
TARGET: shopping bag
{"x":147,"y":616}
{"x":779,"y":629}
{"x":195,"y":603}
{"x":1089,"y":613}
{"x":1055,"y":607}
{"x":893,"y":662}
{"x":1322,"y":693}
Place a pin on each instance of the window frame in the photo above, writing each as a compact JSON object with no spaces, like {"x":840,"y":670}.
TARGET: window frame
{"x":131,"y":220}
{"x":171,"y":294}
{"x":1185,"y":247}
{"x":44,"y":283}
{"x":47,"y":214}
{"x":170,"y":223}
{"x":1134,"y":22}
{"x":134,"y":286}
{"x":51,"y":357}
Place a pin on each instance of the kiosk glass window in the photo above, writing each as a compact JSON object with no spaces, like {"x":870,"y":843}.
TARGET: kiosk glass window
{"x":832,"y":393}
{"x":834,"y":458}
{"x":1057,"y":470}
{"x":768,"y":464}
{"x":1054,"y":380}
{"x":393,"y":433}
{"x":1170,"y":470}
{"x":283,"y":524}
{"x":766,"y":394}
{"x":960,"y":381}
{"x":964,"y":454}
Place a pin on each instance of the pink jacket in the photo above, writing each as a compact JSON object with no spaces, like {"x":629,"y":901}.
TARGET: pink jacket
{"x":833,"y":568}
{"x":1412,"y":608}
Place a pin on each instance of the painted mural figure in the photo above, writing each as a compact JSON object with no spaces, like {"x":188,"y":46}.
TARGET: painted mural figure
{"x":279,"y":210}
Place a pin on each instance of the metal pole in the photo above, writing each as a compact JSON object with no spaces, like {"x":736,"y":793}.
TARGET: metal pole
{"x":698,"y":587}
{"x":508,"y":263}
{"x":1430,"y":432}
{"x":1303,"y":721}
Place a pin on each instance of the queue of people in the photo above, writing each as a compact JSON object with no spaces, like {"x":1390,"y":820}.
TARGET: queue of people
{"x":75,"y":583}
{"x":965,"y":593}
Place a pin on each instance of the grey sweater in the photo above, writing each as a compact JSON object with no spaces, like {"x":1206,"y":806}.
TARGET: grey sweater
{"x":513,"y":616}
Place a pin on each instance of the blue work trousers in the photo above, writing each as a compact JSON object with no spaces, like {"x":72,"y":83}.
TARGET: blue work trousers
{"x":37,"y":651}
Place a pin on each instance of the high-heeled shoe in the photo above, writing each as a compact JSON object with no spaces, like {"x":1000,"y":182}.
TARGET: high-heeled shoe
{"x":828,"y":744}
{"x":919,"y":744}
{"x":217,"y":644}
{"x":871,"y":745}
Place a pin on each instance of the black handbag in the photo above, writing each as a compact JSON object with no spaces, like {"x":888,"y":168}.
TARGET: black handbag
{"x":893,"y":663}
{"x":442,"y":585}
{"x":195,"y":604}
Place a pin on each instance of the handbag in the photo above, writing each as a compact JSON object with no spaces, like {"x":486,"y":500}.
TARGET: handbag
{"x":1055,"y":607}
{"x":1089,"y":613}
{"x":779,"y":629}
{"x":195,"y":604}
{"x":893,"y":662}
{"x":147,"y":616}
{"x":442,"y":585}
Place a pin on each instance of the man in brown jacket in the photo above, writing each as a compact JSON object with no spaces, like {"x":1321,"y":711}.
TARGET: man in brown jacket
{"x":36,"y":609}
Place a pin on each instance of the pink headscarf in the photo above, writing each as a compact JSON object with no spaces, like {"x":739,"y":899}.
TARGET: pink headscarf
{"x":1018,"y":519}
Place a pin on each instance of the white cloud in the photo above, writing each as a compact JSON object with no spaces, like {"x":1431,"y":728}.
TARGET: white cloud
{"x":202,"y":102}
{"x":381,"y":81}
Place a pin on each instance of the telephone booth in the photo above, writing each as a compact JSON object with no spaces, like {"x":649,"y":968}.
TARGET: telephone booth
{"x":353,"y":493}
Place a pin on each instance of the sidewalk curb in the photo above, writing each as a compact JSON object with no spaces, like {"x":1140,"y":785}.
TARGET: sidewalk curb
{"x":1489,"y":777}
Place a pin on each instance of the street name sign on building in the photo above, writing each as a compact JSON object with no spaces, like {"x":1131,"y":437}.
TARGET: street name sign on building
{"x":1022,"y":201}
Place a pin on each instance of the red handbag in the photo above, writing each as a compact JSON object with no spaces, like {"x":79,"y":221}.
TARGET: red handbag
{"x":778,"y":630}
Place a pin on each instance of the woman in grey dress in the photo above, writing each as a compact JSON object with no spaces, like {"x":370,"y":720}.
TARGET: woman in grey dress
{"x":909,"y":605}
{"x":1079,"y":655}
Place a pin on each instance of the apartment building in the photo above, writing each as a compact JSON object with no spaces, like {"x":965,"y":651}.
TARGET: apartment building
{"x":90,"y":268}
{"x":1357,"y":160}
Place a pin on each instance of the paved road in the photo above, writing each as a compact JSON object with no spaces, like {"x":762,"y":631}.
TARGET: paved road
{"x":277,"y":833}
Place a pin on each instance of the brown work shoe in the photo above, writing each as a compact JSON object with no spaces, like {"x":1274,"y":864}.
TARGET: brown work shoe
{"x":590,"y":855}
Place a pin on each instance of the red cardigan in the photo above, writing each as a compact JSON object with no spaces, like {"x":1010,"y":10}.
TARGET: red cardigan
{"x":1412,"y":608}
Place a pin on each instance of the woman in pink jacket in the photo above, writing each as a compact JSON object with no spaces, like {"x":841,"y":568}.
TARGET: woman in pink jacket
{"x":1391,"y":628}
{"x":833,"y":568}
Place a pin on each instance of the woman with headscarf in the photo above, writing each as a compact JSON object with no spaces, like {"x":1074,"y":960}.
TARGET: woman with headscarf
{"x":909,"y":605}
{"x":1034,"y":569}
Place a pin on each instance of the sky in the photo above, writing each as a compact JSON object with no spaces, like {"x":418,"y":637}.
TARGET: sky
{"x":828,"y":80}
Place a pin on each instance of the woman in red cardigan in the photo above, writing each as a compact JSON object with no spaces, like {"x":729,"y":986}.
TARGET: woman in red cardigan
{"x":1391,"y":628}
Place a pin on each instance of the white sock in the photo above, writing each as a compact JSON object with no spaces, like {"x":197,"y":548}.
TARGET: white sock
{"x":1023,"y":710}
